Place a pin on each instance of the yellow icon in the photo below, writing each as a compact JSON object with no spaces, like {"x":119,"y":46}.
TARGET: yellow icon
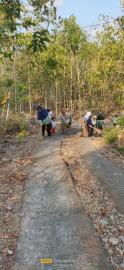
{"x":46,"y":261}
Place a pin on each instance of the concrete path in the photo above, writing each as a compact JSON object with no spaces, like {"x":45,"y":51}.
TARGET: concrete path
{"x":110,"y":175}
{"x":54,"y":223}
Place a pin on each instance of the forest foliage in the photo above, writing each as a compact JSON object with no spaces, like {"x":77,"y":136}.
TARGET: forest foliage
{"x":54,"y":62}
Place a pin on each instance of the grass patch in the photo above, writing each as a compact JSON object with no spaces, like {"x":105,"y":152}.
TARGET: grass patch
{"x":121,"y":150}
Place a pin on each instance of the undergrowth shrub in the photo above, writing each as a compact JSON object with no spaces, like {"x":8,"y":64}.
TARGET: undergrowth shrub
{"x":110,"y":135}
{"x":22,"y":134}
{"x":13,"y":125}
{"x":120,"y":121}
{"x":121,"y":150}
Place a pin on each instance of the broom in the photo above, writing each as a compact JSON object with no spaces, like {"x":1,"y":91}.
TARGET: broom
{"x":99,"y":131}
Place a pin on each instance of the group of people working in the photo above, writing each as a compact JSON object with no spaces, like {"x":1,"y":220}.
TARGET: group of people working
{"x":93,"y":123}
{"x":48,"y":121}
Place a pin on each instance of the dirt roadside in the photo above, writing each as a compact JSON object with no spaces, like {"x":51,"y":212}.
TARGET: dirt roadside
{"x":15,"y":162}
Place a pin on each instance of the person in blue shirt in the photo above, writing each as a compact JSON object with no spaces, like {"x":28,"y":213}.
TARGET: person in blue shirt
{"x":43,"y":116}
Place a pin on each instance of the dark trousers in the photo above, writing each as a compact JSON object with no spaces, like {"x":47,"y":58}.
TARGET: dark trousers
{"x":90,"y":131}
{"x":46,"y":128}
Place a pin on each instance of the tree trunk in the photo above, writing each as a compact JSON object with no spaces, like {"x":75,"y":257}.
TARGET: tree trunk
{"x":46,"y":106}
{"x":20,"y":108}
{"x":56,"y":97}
{"x":14,"y":73}
{"x":71,"y":86}
{"x":79,"y":89}
{"x":8,"y":109}
{"x":2,"y":110}
{"x":29,"y":89}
